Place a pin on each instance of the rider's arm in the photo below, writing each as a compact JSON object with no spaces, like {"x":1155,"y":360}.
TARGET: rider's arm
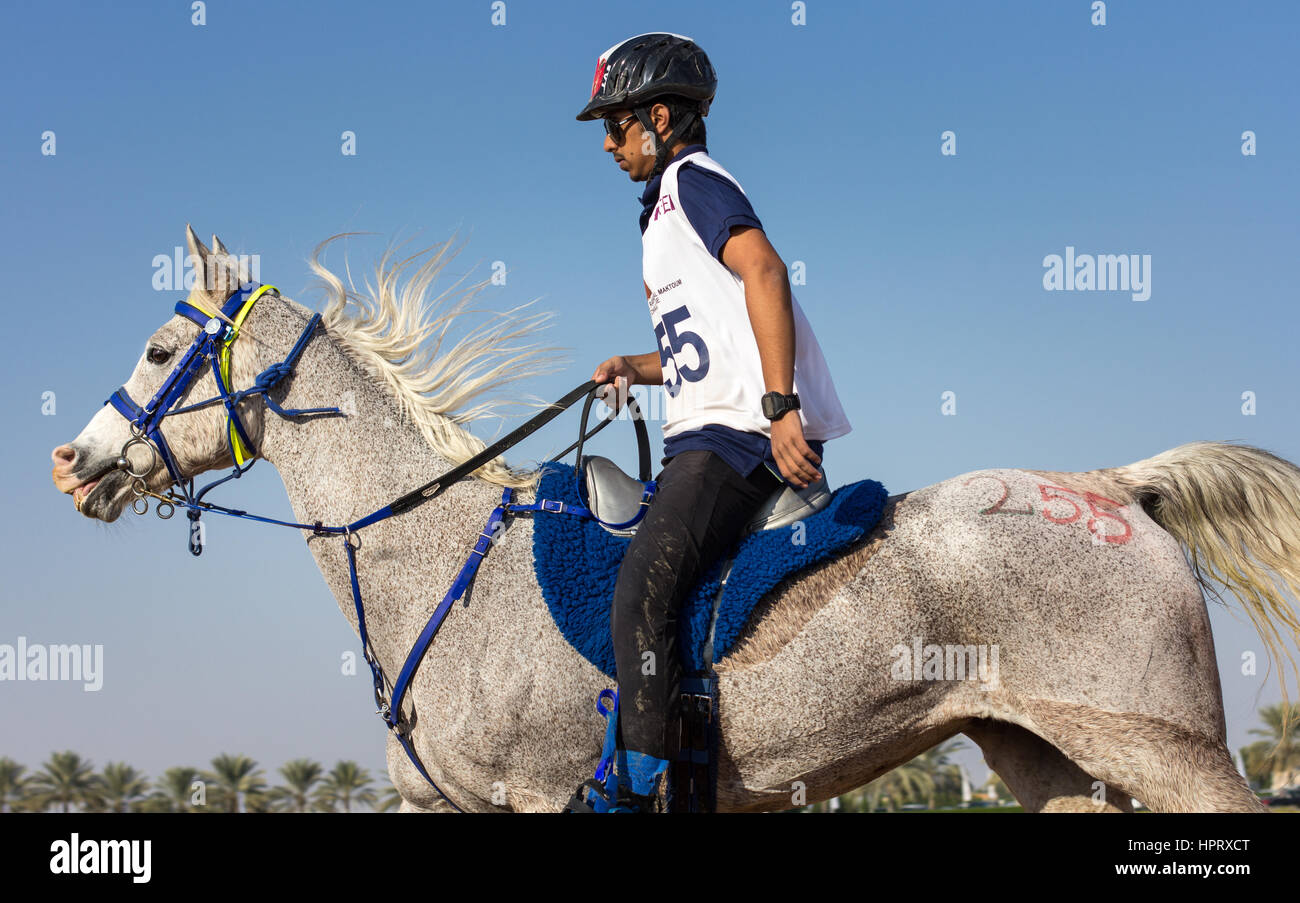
{"x":649,"y":369}
{"x":767,"y":298}
{"x":726,"y":223}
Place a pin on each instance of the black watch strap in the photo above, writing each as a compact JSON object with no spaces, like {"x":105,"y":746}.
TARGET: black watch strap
{"x":775,"y":404}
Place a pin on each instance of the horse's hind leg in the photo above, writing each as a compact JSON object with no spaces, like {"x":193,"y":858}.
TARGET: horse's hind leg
{"x":1042,"y":779}
{"x":1167,"y":767}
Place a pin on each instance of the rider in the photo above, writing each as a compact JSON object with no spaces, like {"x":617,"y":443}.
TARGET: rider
{"x":729,"y":330}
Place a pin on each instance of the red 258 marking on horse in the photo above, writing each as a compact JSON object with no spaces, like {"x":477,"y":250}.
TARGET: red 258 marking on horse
{"x":1092,"y":498}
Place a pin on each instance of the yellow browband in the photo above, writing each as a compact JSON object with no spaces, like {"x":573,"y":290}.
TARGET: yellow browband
{"x":242,"y":453}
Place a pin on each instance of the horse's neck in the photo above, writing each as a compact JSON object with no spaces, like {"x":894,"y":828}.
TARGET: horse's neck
{"x":338,"y":469}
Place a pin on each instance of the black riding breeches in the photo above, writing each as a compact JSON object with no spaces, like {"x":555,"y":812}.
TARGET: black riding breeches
{"x":700,"y":506}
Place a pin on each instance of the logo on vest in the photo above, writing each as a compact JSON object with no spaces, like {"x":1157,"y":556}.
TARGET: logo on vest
{"x":665,"y":205}
{"x":654,"y":299}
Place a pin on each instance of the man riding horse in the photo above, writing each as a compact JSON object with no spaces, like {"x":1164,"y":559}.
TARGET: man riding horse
{"x":729,"y":330}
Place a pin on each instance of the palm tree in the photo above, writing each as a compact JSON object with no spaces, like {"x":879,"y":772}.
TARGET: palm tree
{"x":155,"y":802}
{"x":347,"y":783}
{"x":1282,"y":738}
{"x":66,"y":780}
{"x":853,"y":801}
{"x":121,"y":787}
{"x":258,"y":802}
{"x":390,"y":799}
{"x":945,"y":775}
{"x":13,"y":784}
{"x":235,"y":780}
{"x":1255,"y":764}
{"x":924,"y":778}
{"x":905,"y":784}
{"x":174,"y":790}
{"x":300,"y":775}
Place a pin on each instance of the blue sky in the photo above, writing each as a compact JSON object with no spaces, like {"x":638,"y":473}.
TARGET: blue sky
{"x":924,"y":272}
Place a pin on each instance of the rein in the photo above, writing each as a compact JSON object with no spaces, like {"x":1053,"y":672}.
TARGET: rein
{"x":213,"y":344}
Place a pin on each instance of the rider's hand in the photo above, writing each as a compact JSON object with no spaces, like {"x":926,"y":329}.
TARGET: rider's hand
{"x":796,"y":460}
{"x":620,"y":376}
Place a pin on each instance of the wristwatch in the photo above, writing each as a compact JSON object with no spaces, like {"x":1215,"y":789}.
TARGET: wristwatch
{"x":775,"y":404}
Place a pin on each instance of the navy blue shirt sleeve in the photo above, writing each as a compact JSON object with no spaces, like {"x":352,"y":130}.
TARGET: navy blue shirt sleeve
{"x":713,"y":204}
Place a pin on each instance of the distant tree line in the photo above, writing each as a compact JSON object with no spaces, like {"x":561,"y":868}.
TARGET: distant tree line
{"x":233,"y":783}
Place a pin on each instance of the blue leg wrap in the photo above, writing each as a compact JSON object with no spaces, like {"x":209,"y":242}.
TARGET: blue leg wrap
{"x":642,"y":773}
{"x":632,"y":771}
{"x":605,"y":770}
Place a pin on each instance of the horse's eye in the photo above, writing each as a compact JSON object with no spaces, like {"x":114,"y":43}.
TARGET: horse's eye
{"x":158,"y":355}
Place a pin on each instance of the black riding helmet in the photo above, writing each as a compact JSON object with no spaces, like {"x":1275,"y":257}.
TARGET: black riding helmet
{"x":635,"y":71}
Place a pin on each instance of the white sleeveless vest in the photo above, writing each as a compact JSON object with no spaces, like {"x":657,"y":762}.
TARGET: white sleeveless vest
{"x":712,"y":371}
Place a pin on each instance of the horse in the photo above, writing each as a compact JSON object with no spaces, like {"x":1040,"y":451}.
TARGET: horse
{"x":1105,"y":689}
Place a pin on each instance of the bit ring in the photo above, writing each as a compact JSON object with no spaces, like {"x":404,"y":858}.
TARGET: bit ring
{"x":124,"y":460}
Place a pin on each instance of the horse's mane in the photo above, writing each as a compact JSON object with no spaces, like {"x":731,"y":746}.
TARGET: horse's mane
{"x":384,"y":330}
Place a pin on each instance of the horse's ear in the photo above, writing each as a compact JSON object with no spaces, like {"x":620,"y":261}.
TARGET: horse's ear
{"x":217,"y":246}
{"x":216,"y":279}
{"x":197,"y":249}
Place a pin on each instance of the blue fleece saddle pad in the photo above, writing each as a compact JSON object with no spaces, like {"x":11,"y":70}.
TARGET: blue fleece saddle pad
{"x":577,"y":562}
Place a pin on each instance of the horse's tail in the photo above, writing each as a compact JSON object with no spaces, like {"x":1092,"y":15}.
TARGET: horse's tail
{"x":1236,"y":508}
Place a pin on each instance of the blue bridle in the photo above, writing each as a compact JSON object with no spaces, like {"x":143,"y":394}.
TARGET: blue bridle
{"x":213,"y":344}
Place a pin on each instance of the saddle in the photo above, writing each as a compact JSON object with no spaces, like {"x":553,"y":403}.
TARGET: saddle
{"x":615,"y":498}
{"x":576,"y":561}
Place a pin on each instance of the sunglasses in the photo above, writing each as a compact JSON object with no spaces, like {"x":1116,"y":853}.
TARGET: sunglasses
{"x":614,"y":128}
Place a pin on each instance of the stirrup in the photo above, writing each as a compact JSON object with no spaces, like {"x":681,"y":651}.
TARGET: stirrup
{"x":635,"y":802}
{"x":579,"y":803}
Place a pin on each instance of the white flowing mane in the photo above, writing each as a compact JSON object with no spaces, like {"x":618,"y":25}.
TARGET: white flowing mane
{"x":384,"y":330}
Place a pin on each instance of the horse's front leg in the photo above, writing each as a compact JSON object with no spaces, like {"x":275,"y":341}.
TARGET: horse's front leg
{"x":417,"y":794}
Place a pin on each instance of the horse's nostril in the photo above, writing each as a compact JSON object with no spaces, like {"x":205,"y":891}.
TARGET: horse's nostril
{"x":64,"y":454}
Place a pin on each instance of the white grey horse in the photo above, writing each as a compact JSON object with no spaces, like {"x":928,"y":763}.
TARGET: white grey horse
{"x":1067,"y":594}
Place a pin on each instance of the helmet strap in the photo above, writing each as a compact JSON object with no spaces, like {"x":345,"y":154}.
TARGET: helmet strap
{"x":662,"y":145}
